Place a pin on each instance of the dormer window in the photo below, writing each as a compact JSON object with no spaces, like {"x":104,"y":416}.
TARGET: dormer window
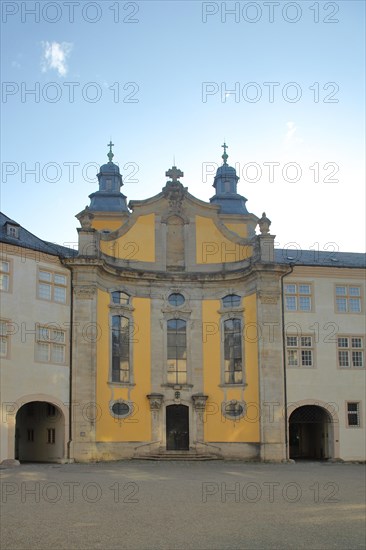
{"x":120,"y":298}
{"x":12,"y":230}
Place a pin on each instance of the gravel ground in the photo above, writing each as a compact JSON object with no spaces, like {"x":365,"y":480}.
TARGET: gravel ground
{"x":192,"y":505}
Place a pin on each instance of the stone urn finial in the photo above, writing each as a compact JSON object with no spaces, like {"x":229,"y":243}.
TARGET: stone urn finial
{"x":85,"y":219}
{"x":264,"y":224}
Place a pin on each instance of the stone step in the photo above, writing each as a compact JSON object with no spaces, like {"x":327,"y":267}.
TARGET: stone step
{"x":186,"y":456}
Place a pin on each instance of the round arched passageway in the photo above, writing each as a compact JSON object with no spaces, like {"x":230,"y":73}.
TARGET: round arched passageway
{"x":39,"y":432}
{"x":311,"y":433}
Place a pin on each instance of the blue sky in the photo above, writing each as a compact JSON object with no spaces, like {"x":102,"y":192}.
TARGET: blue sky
{"x":189,"y":75}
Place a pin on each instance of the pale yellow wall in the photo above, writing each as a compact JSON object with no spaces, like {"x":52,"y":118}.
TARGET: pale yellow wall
{"x":326,"y":382}
{"x":138,"y":426}
{"x":21,"y":374}
{"x":216,"y":426}
{"x":138,"y":244}
{"x":213,"y":247}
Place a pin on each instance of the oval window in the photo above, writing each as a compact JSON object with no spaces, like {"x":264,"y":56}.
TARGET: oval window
{"x":120,"y":409}
{"x":176,"y":299}
{"x":233,"y":409}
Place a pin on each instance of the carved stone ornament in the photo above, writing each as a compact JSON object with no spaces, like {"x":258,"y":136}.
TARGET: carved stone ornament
{"x":156,"y":400}
{"x":199,"y":401}
{"x":264,"y":224}
{"x":174,"y":193}
{"x":85,"y":219}
{"x":85,"y":292}
{"x":269,"y":297}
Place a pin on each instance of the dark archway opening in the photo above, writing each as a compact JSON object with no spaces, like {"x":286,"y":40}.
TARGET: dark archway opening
{"x":177,"y":428}
{"x":310,"y":433}
{"x":39,"y":432}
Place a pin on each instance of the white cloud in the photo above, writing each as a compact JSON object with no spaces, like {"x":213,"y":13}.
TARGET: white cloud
{"x":55,"y":55}
{"x":291,"y":137}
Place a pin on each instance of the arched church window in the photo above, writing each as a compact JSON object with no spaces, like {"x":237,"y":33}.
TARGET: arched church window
{"x":120,"y":349}
{"x":231,"y":300}
{"x":233,"y":355}
{"x":120,"y":298}
{"x":177,"y":351}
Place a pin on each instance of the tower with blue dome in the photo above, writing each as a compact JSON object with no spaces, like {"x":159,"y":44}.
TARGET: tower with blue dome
{"x":109,"y":197}
{"x":226,"y":195}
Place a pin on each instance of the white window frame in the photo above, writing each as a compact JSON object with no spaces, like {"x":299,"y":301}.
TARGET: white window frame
{"x":299,"y":347}
{"x":297,"y":294}
{"x":5,"y":338}
{"x":48,"y":335}
{"x":6,"y":275}
{"x":348,"y":350}
{"x":53,"y":285}
{"x":347,"y":297}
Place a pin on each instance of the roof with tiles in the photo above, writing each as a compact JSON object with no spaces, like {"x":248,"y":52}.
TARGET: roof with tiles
{"x":26,"y":239}
{"x":320,"y":258}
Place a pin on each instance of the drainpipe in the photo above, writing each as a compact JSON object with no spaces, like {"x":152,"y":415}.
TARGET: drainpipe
{"x":70,"y":354}
{"x":284,"y":356}
{"x":70,"y":361}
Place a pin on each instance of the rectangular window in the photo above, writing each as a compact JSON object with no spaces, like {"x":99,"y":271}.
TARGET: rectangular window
{"x":51,"y":436}
{"x":4,"y":339}
{"x":233,"y":356}
{"x":353,"y":414}
{"x":300,"y":352}
{"x":348,"y":299}
{"x":30,"y":435}
{"x":52,"y":286}
{"x":298,"y":297}
{"x":350,"y":352}
{"x":120,"y":349}
{"x":50,"y":345}
{"x":4,"y":276}
{"x":176,"y":351}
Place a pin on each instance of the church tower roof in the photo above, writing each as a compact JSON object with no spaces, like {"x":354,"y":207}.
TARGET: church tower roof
{"x":109,"y":198}
{"x":225,"y":184}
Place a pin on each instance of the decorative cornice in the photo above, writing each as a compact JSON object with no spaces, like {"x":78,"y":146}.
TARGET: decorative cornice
{"x":156,"y":400}
{"x":268,"y":297}
{"x":199,"y":401}
{"x":85,"y":292}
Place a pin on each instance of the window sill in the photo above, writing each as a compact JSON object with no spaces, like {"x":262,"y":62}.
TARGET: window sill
{"x":177,"y":386}
{"x":122,"y":384}
{"x":241,"y":385}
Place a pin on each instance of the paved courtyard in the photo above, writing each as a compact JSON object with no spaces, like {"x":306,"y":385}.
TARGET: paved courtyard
{"x":178,"y":505}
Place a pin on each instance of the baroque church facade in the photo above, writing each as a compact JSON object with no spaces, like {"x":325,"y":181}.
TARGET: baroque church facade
{"x":177,"y":329}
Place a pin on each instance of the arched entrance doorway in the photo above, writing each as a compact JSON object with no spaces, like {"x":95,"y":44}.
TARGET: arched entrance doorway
{"x":39,"y":432}
{"x":177,"y":428}
{"x":311,"y":433}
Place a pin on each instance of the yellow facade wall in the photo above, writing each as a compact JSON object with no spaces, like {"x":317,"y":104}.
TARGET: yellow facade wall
{"x":218,"y":428}
{"x":213,"y":247}
{"x":137,"y":244}
{"x":240,"y":229}
{"x":136,"y":427}
{"x":106,"y":224}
